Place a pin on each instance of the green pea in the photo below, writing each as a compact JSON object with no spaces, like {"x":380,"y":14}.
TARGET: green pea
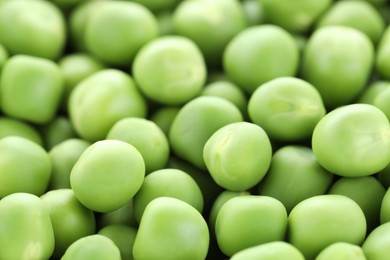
{"x":196,"y":121}
{"x":163,"y":118}
{"x":114,"y":34}
{"x":123,"y":236}
{"x":25,"y":228}
{"x":63,"y":157}
{"x":24,"y":167}
{"x":102,"y":99}
{"x":247,"y":221}
{"x":171,"y":229}
{"x":122,"y":216}
{"x":287,"y":108}
{"x":97,"y":247}
{"x":210,"y":24}
{"x":341,"y":250}
{"x":322,"y":220}
{"x":258,"y":54}
{"x":385,"y":207}
{"x":376,"y":246}
{"x":167,"y":183}
{"x":147,"y":137}
{"x":59,"y":129}
{"x":31,"y":88}
{"x":270,"y":251}
{"x":353,"y":140}
{"x":34,"y":28}
{"x":366,"y":191}
{"x":11,"y":126}
{"x":297,"y":16}
{"x":382,"y":63}
{"x":69,"y":218}
{"x":336,"y":65}
{"x":254,"y":12}
{"x":177,"y":66}
{"x":3,"y":56}
{"x":372,"y":91}
{"x":384,"y":176}
{"x":381,"y":101}
{"x":294,"y":176}
{"x":107,"y":175}
{"x":238,"y":155}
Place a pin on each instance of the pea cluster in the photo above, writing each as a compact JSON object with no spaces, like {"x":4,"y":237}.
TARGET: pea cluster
{"x":194,"y":129}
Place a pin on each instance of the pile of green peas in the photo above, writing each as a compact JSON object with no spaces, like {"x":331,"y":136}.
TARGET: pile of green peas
{"x":194,"y":129}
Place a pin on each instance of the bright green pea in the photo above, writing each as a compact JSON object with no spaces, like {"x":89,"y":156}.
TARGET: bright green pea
{"x":24,"y":166}
{"x":372,"y":91}
{"x":170,"y":70}
{"x":163,"y":118}
{"x":210,"y":24}
{"x":69,"y":218}
{"x":238,"y":155}
{"x":171,"y":229}
{"x":63,"y":157}
{"x":366,"y":191}
{"x":102,"y":99}
{"x":269,"y":251}
{"x":123,"y":236}
{"x":11,"y":126}
{"x":97,"y":247}
{"x":258,"y":54}
{"x":287,"y":108}
{"x":385,"y":208}
{"x":294,"y":175}
{"x":196,"y":121}
{"x":147,"y":137}
{"x":376,"y":246}
{"x":382,"y":64}
{"x":107,"y":175}
{"x":338,"y":61}
{"x":167,"y":183}
{"x":295,"y":16}
{"x":25,"y":228}
{"x":56,"y":131}
{"x":116,"y":30}
{"x":247,"y":221}
{"x":361,"y":15}
{"x":322,"y":220}
{"x":75,"y":67}
{"x":353,"y":140}
{"x":31,"y":88}
{"x":34,"y":28}
{"x":341,"y":251}
{"x":122,"y":216}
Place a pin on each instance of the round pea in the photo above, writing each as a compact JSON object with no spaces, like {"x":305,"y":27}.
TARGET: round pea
{"x":171,"y":229}
{"x":372,"y":91}
{"x":24,"y":167}
{"x":238,"y":155}
{"x":382,"y":61}
{"x":381,"y":101}
{"x":385,"y":207}
{"x":11,"y":126}
{"x":170,"y":70}
{"x":287,"y":108}
{"x":322,"y":220}
{"x":107,"y":175}
{"x":353,"y":140}
{"x":3,"y":56}
{"x":342,"y":250}
{"x":376,"y":246}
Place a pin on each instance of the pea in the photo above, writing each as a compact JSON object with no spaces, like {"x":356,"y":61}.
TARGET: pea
{"x":294,"y":175}
{"x":107,"y":175}
{"x":31,"y":88}
{"x":376,"y":245}
{"x":196,"y":121}
{"x":247,"y":221}
{"x":59,"y":129}
{"x":24,"y":167}
{"x":287,"y":108}
{"x":352,"y":140}
{"x":322,"y":220}
{"x":3,"y":56}
{"x":372,"y":91}
{"x":254,"y":12}
{"x":385,"y":207}
{"x":342,"y":250}
{"x":258,"y":54}
{"x":271,"y":251}
{"x":381,"y":101}
{"x":382,"y":63}
{"x":146,"y":137}
{"x":35,"y":28}
{"x":123,"y":236}
{"x":25,"y":228}
{"x":11,"y":126}
{"x":113,"y":32}
{"x":167,"y":183}
{"x":96,"y":246}
{"x":173,"y":229}
{"x":238,"y":155}
{"x":122,"y":216}
{"x":384,"y":176}
{"x":177,"y":66}
{"x":102,"y":99}
{"x":163,"y":118}
{"x":336,"y":65}
{"x":69,"y":218}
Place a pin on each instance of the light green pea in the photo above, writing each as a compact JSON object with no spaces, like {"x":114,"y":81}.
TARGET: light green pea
{"x":11,"y":126}
{"x":372,"y":91}
{"x":341,"y":251}
{"x":376,"y":246}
